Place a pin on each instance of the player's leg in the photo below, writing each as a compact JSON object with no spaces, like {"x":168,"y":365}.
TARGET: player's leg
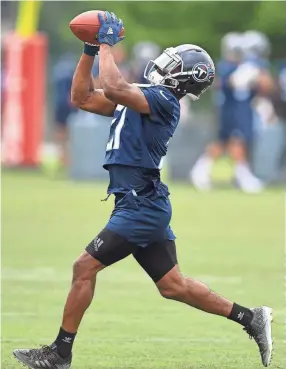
{"x":61,"y":139}
{"x":238,"y":151}
{"x":195,"y":293}
{"x":61,"y":133}
{"x":106,"y":249}
{"x":200,"y":174}
{"x":160,"y":262}
{"x":239,"y":144}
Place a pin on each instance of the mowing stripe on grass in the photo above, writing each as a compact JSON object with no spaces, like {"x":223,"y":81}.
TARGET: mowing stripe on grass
{"x":46,"y":274}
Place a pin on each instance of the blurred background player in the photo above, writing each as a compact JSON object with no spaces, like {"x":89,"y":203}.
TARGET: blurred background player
{"x":279,"y":101}
{"x":242,"y":75}
{"x":257,"y":51}
{"x":281,"y":95}
{"x":62,"y":79}
{"x":282,"y":89}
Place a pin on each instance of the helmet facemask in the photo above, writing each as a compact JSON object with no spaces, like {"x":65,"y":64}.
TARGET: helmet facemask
{"x":163,"y":69}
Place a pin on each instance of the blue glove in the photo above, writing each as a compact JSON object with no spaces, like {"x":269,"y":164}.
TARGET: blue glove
{"x":90,"y":49}
{"x":110,"y":29}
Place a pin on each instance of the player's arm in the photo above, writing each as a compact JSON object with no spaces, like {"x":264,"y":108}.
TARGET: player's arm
{"x":84,"y":92}
{"x":265,"y":83}
{"x":115,"y":87}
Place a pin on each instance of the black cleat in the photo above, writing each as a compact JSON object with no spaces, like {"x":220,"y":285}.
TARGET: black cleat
{"x":45,"y":357}
{"x":260,"y":330}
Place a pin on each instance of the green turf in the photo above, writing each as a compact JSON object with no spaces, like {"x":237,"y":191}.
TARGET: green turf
{"x":232,"y":241}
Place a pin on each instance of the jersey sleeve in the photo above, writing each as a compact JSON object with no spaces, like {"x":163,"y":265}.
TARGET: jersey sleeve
{"x":164,"y":106}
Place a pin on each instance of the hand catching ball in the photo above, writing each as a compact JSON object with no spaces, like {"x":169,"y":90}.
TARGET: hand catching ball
{"x":85,"y":26}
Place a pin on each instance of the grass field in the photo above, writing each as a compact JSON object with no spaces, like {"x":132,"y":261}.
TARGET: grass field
{"x":232,"y":241}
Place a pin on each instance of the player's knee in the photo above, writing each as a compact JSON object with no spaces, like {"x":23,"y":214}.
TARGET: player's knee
{"x":174,"y":289}
{"x":173,"y":292}
{"x":77,"y":268}
{"x":86,"y":268}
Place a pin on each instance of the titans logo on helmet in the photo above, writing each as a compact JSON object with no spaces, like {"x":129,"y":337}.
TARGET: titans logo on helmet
{"x":203,"y":72}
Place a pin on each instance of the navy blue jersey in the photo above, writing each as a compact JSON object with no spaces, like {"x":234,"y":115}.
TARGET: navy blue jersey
{"x":226,"y":100}
{"x":225,"y":93}
{"x":228,"y":94}
{"x":138,"y":142}
{"x":235,"y":104}
{"x":63,"y":72}
{"x":279,"y":98}
{"x":282,"y":80}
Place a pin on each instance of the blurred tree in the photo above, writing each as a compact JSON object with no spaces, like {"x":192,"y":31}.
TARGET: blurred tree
{"x":171,"y":22}
{"x":270,"y":18}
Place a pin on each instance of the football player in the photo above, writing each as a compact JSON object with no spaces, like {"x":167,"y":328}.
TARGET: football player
{"x":242,"y":76}
{"x":281,"y":108}
{"x":144,"y":120}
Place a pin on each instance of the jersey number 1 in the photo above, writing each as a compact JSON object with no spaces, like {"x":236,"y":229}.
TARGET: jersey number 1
{"x":114,"y":140}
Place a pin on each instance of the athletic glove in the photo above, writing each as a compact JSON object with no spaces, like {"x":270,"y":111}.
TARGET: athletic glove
{"x":90,"y":49}
{"x":110,"y":29}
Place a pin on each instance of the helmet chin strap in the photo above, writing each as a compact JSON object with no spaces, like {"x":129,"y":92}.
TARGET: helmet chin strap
{"x":193,"y":97}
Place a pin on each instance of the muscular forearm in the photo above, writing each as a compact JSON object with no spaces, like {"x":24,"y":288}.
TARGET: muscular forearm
{"x":115,"y":87}
{"x":110,"y":77}
{"x":82,"y":82}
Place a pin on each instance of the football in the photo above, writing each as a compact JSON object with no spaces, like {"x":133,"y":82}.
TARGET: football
{"x":85,"y":26}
